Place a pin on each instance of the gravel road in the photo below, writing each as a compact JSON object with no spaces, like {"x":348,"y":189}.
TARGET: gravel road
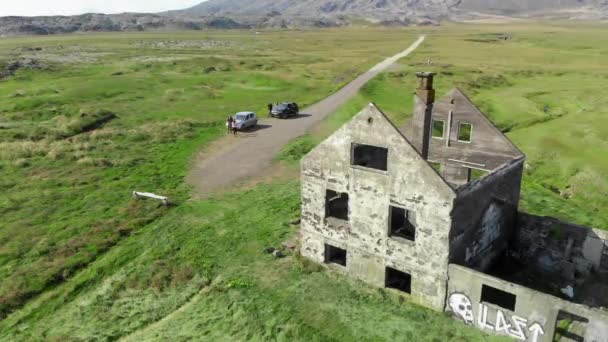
{"x":232,"y":160}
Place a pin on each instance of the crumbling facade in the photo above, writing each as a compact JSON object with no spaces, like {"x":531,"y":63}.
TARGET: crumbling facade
{"x":431,"y":210}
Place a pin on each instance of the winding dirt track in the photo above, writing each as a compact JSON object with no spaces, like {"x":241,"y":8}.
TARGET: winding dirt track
{"x":235,"y":159}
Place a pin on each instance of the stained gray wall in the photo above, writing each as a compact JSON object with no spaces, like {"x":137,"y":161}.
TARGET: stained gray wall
{"x":409,"y":183}
{"x":546,"y":238}
{"x":487,"y":150}
{"x":534,"y":308}
{"x":563,"y":254}
{"x":484,"y":217}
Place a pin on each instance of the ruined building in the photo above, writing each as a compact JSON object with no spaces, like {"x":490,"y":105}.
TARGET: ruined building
{"x":431,"y":210}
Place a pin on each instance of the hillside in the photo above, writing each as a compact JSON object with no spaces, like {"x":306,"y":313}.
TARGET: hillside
{"x":229,"y":14}
{"x":532,"y":7}
{"x":106,"y":23}
{"x":82,"y":260}
{"x":406,"y":10}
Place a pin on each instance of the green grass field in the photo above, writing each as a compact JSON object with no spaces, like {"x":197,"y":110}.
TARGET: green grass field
{"x":66,"y":190}
{"x":81,"y":260}
{"x":545,"y":87}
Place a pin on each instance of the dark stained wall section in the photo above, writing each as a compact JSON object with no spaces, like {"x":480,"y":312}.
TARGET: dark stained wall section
{"x":484,"y":217}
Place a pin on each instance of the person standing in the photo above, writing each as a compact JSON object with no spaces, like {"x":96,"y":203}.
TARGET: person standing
{"x":269,"y":109}
{"x":234,"y":127}
{"x":229,"y":122}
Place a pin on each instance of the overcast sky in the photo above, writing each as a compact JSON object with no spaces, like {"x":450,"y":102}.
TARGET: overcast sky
{"x":70,"y":7}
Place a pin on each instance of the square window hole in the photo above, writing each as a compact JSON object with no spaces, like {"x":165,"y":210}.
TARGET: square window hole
{"x":438,"y":129}
{"x":336,"y":205}
{"x":465,"y":130}
{"x":398,"y":280}
{"x":402,"y":223}
{"x":372,"y":157}
{"x":498,"y":297}
{"x":335,"y":255}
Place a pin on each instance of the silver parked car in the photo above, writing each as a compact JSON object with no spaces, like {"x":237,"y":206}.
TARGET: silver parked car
{"x":245,"y":120}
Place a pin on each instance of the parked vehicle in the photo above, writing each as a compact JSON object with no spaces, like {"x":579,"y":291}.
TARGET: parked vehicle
{"x":284,"y":110}
{"x":245,"y":120}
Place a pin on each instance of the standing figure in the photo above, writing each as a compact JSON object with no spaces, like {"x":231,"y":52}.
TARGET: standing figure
{"x":269,"y":109}
{"x":234,"y":127}
{"x":229,"y":122}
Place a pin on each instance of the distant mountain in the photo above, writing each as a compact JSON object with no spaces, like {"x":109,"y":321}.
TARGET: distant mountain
{"x":534,"y":7}
{"x":296,"y":13}
{"x":108,"y":23}
{"x":406,"y":10}
{"x":269,"y":12}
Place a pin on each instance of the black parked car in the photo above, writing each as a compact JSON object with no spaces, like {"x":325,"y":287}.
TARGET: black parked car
{"x":284,"y":110}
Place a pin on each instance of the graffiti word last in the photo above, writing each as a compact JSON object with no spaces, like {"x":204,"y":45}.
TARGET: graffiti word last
{"x":516,"y":326}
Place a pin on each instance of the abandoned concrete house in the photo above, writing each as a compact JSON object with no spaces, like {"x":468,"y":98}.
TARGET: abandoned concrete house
{"x":431,"y":210}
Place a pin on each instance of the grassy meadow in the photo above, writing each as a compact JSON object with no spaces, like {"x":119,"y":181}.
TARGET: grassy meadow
{"x":108,"y":114}
{"x":545,"y":87}
{"x":157,"y":99}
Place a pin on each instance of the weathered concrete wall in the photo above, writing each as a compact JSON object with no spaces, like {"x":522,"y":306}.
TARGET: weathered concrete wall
{"x":545,"y":240}
{"x":553,"y":255}
{"x":535,"y":314}
{"x":410,"y":183}
{"x":484,"y":216}
{"x":487,"y":150}
{"x":604,"y":260}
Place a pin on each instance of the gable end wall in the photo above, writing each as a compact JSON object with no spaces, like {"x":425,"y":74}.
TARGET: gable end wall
{"x":409,"y":183}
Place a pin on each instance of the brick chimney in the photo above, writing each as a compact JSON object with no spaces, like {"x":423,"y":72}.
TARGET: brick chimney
{"x":423,"y":111}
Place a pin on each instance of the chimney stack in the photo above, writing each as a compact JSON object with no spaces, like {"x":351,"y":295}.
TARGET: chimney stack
{"x":423,"y":111}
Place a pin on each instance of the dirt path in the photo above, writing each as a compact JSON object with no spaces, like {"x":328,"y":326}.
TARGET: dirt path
{"x":232,"y":160}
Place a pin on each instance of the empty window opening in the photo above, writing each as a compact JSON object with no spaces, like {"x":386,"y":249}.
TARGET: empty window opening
{"x":498,"y":297}
{"x":370,"y":156}
{"x":438,"y":129}
{"x":336,"y":205}
{"x":570,"y":327}
{"x":437,"y":166}
{"x":335,"y":255}
{"x":475,"y":174}
{"x":398,"y":280}
{"x":402,"y":223}
{"x":465,"y":130}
